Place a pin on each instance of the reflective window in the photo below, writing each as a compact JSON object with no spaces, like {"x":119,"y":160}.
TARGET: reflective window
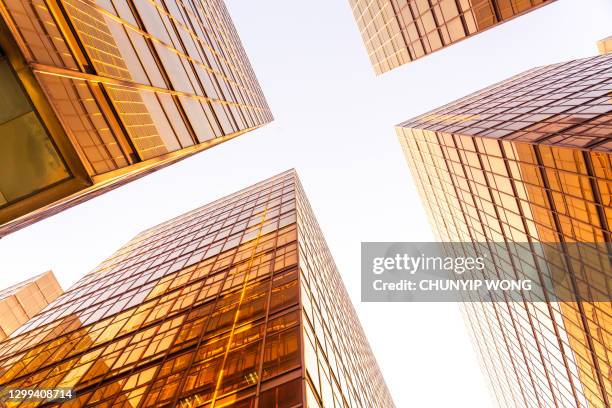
{"x":396,"y":32}
{"x":29,"y":161}
{"x":528,"y":161}
{"x":205,"y":309}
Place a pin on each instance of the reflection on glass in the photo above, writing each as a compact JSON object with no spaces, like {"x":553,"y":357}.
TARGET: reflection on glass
{"x":28,"y":160}
{"x":204,"y":310}
{"x":528,"y":161}
{"x":396,"y":32}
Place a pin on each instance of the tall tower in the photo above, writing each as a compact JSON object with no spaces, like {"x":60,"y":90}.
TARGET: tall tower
{"x":98,"y":93}
{"x":396,"y":32}
{"x":20,"y":302}
{"x":605,"y":45}
{"x":527,"y":162}
{"x":237,"y":303}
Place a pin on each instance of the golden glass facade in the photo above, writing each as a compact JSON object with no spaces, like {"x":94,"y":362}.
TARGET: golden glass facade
{"x":21,"y":302}
{"x":110,"y":90}
{"x":605,"y":45}
{"x":237,"y":303}
{"x":528,"y":162}
{"x":396,"y":32}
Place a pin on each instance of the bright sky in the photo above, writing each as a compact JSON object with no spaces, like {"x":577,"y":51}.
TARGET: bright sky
{"x":334,"y":124}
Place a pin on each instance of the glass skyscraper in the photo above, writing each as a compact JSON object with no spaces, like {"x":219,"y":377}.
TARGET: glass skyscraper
{"x":20,"y":302}
{"x":527,"y":162}
{"x":605,"y":45}
{"x":396,"y":32}
{"x":237,"y":303}
{"x":98,"y":93}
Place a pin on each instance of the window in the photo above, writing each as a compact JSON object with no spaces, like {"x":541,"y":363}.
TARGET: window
{"x":25,"y":147}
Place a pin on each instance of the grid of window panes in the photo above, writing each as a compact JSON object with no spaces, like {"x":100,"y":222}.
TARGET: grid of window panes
{"x":20,"y":302}
{"x":199,"y":309}
{"x":605,"y":45}
{"x":340,"y":368}
{"x":133,"y":80}
{"x":21,"y":134}
{"x":204,"y":310}
{"x":495,"y":191}
{"x":396,"y":32}
{"x":566,"y":104}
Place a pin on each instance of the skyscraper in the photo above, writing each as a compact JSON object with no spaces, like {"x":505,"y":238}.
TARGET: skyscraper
{"x":605,"y":45}
{"x":237,"y":303}
{"x":96,"y":94}
{"x":20,"y":302}
{"x":396,"y":32}
{"x":527,"y":162}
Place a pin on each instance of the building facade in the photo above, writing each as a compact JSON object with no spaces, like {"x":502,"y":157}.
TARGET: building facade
{"x":21,"y":302}
{"x":605,"y":45}
{"x":237,"y":303}
{"x":396,"y":32}
{"x":97,"y":93}
{"x":528,"y":162}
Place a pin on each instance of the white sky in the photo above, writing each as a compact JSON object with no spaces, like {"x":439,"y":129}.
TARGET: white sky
{"x":334,"y":124}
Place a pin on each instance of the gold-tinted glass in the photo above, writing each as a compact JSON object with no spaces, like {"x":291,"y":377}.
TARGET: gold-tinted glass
{"x":205,"y":310}
{"x":133,"y":81}
{"x":605,"y":45}
{"x":22,"y":301}
{"x":396,"y":32}
{"x":566,"y":104}
{"x":29,"y":161}
{"x":340,"y":367}
{"x":527,"y":161}
{"x":124,"y":88}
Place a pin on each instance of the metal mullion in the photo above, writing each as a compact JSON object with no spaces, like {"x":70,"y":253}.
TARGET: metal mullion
{"x":190,"y":60}
{"x":193,"y":34}
{"x":402,"y":30}
{"x":437,"y":23}
{"x":265,"y":328}
{"x":162,"y":70}
{"x":66,"y":73}
{"x":103,"y":101}
{"x":496,"y":11}
{"x":198,"y":344}
{"x":182,"y":382}
{"x":462,"y":18}
{"x":583,"y":319}
{"x":212,"y":72}
{"x":416,"y":26}
{"x":125,"y":24}
{"x":478,"y":212}
{"x":529,"y":316}
{"x":237,"y":314}
{"x":146,"y":35}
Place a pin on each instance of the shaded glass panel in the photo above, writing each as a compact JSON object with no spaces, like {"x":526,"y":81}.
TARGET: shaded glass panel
{"x":28,"y":159}
{"x":396,"y":32}
{"x":527,"y":161}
